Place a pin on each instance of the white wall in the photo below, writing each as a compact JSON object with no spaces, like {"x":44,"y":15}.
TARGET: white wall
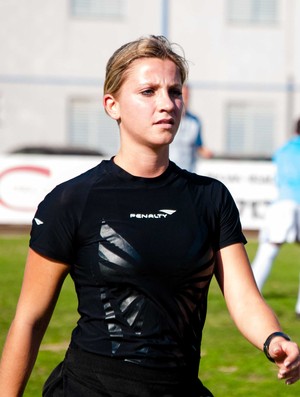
{"x":47,"y":56}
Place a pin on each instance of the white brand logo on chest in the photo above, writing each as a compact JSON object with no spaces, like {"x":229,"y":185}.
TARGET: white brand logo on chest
{"x":160,"y":214}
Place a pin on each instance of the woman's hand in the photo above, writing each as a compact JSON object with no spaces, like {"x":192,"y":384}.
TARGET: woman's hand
{"x":251,"y":314}
{"x":286,"y":355}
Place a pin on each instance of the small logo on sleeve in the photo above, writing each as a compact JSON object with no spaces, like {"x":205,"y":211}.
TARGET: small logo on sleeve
{"x":38,"y":221}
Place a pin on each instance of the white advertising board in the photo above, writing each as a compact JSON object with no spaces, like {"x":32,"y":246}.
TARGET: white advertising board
{"x":251,"y":183}
{"x":26,"y":179}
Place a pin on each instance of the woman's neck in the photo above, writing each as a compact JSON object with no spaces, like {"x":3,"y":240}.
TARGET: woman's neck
{"x":144,"y":164}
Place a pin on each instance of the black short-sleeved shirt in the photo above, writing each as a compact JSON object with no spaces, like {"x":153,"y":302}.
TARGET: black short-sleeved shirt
{"x":142,"y":253}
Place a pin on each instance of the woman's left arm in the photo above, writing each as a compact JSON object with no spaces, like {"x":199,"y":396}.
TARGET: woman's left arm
{"x":253,"y":317}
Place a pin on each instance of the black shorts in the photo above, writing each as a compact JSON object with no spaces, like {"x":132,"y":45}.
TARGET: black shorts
{"x":84,"y":374}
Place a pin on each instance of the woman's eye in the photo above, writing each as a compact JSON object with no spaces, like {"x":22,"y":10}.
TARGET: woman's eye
{"x":176,"y":93}
{"x":147,"y":92}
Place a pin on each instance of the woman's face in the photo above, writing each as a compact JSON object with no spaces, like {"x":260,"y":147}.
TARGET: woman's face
{"x":149,"y":104}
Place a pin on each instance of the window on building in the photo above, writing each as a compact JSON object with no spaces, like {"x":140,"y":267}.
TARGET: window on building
{"x":1,"y":112}
{"x":97,"y":8}
{"x":250,"y":129}
{"x":90,"y":127}
{"x":253,"y":11}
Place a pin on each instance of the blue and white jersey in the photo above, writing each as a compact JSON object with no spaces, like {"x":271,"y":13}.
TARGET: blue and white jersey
{"x":287,"y":161}
{"x":183,"y":150}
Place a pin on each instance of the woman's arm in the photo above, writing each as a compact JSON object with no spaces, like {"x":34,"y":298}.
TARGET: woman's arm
{"x":42,"y":283}
{"x":251,"y":314}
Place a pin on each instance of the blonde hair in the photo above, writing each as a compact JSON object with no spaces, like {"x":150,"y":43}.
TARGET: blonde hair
{"x":145,"y":47}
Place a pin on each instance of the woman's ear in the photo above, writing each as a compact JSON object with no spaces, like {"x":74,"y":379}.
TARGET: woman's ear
{"x":111,"y":106}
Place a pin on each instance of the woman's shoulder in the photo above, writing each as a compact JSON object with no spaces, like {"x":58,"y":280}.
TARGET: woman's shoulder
{"x":72,"y":190}
{"x":200,"y":180}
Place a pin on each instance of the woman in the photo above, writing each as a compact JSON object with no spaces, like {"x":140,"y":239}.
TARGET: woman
{"x":141,"y":239}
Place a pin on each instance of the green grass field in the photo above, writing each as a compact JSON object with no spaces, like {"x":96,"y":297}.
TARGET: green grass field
{"x":230,"y":366}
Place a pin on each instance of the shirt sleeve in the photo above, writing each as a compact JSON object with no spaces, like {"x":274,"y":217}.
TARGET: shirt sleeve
{"x":229,"y":229}
{"x":199,"y":141}
{"x":197,"y":129}
{"x":55,"y":223}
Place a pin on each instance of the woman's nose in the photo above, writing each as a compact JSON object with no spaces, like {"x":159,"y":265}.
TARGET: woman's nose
{"x":166,"y":102}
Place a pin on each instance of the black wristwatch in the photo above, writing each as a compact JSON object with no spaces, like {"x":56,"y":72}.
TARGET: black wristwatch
{"x":268,"y":341}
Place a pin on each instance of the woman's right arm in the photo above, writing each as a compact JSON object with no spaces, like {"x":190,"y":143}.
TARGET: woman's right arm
{"x":41,"y":286}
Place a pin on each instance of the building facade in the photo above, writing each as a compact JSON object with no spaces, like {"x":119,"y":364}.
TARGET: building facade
{"x":244,"y":59}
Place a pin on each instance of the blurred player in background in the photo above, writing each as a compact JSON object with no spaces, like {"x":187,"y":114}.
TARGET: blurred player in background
{"x":282,"y":222}
{"x":188,"y":144}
